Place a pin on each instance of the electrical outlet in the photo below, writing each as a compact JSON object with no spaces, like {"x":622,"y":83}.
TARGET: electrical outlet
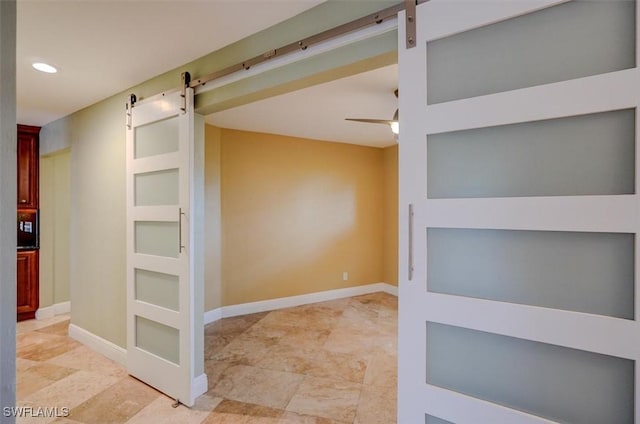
{"x":345,"y":276}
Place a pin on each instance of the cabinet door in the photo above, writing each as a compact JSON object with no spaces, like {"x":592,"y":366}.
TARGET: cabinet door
{"x":27,"y":279}
{"x":28,"y":167}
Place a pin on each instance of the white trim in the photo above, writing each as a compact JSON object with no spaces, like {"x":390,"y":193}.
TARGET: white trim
{"x":581,"y":96}
{"x":100,"y":345}
{"x":444,"y":18}
{"x":199,"y":385}
{"x":46,"y":312}
{"x":213,"y":315}
{"x":450,"y":405}
{"x":576,"y":330}
{"x":605,"y":213}
{"x":389,"y":289}
{"x":291,"y":301}
{"x":53,"y":310}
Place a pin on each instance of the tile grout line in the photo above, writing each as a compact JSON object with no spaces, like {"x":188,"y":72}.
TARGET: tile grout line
{"x":369,"y":304}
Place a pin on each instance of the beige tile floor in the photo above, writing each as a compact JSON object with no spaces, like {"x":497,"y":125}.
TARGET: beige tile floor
{"x":326,"y":363}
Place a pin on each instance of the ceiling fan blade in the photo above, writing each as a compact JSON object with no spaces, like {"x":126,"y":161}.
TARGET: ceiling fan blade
{"x":393,"y":122}
{"x":370,"y":121}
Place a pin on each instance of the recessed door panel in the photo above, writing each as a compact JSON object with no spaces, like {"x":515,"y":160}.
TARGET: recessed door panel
{"x":553,"y":382}
{"x":544,"y":158}
{"x":157,"y":188}
{"x":158,"y":339}
{"x":157,"y":238}
{"x":158,"y":288}
{"x":575,"y":271}
{"x":571,"y":40}
{"x":157,"y":138}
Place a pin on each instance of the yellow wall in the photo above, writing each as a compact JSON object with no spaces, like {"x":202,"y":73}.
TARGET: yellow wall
{"x":296,"y":214}
{"x":390,"y":231}
{"x":55,"y":203}
{"x":213,"y":236}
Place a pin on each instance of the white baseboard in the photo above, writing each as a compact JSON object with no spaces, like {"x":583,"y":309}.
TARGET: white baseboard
{"x":212,"y":315}
{"x":200,"y":385}
{"x":53,"y":310}
{"x":388,"y":288}
{"x":100,"y":345}
{"x":291,"y":301}
{"x":119,"y":354}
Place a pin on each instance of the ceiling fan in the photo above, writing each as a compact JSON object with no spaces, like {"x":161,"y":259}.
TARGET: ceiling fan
{"x":393,"y":122}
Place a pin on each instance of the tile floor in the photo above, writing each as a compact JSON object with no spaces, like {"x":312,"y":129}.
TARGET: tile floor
{"x":326,"y":363}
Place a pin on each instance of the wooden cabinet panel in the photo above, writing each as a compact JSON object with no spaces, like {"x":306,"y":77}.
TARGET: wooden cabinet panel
{"x":28,"y":185}
{"x":28,"y":164}
{"x":27,"y":293}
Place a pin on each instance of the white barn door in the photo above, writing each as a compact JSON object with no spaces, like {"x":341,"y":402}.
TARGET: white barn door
{"x":519,"y":156}
{"x":164,"y":273}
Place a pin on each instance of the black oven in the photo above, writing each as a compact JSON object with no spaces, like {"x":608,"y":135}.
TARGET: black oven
{"x":28,"y":231}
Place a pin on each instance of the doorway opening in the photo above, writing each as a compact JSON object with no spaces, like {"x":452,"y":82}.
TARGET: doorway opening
{"x":301,"y":230}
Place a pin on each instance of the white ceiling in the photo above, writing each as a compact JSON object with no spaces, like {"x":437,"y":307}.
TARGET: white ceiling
{"x":102,"y":47}
{"x":318,"y":112}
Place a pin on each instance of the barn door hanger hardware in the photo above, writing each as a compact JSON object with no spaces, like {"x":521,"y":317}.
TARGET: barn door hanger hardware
{"x":410,"y":18}
{"x":185,"y":78}
{"x":129,"y":108}
{"x":303,"y":44}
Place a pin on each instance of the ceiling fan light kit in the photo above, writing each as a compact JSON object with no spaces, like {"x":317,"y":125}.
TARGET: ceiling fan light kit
{"x":393,"y":123}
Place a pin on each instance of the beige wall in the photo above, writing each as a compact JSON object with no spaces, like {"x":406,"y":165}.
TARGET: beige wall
{"x":390,"y":231}
{"x":55,"y":219}
{"x":296,"y":214}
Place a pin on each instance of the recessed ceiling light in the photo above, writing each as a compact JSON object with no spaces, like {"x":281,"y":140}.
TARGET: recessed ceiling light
{"x":44,"y":67}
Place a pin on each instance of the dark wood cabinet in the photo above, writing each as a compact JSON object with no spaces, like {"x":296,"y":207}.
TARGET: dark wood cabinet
{"x":28,"y":282}
{"x":28,"y":164}
{"x":28,"y":293}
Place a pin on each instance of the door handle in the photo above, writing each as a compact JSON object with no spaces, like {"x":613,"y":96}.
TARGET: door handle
{"x":180,"y":245}
{"x":410,"y":238}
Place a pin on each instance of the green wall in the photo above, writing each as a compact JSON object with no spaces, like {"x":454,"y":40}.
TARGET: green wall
{"x":55,"y":226}
{"x":96,"y":136}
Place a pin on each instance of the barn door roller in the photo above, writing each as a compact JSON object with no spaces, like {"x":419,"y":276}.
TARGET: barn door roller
{"x":410,"y":17}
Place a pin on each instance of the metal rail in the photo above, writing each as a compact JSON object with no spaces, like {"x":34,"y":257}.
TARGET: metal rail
{"x":335,"y":32}
{"x":369,"y":20}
